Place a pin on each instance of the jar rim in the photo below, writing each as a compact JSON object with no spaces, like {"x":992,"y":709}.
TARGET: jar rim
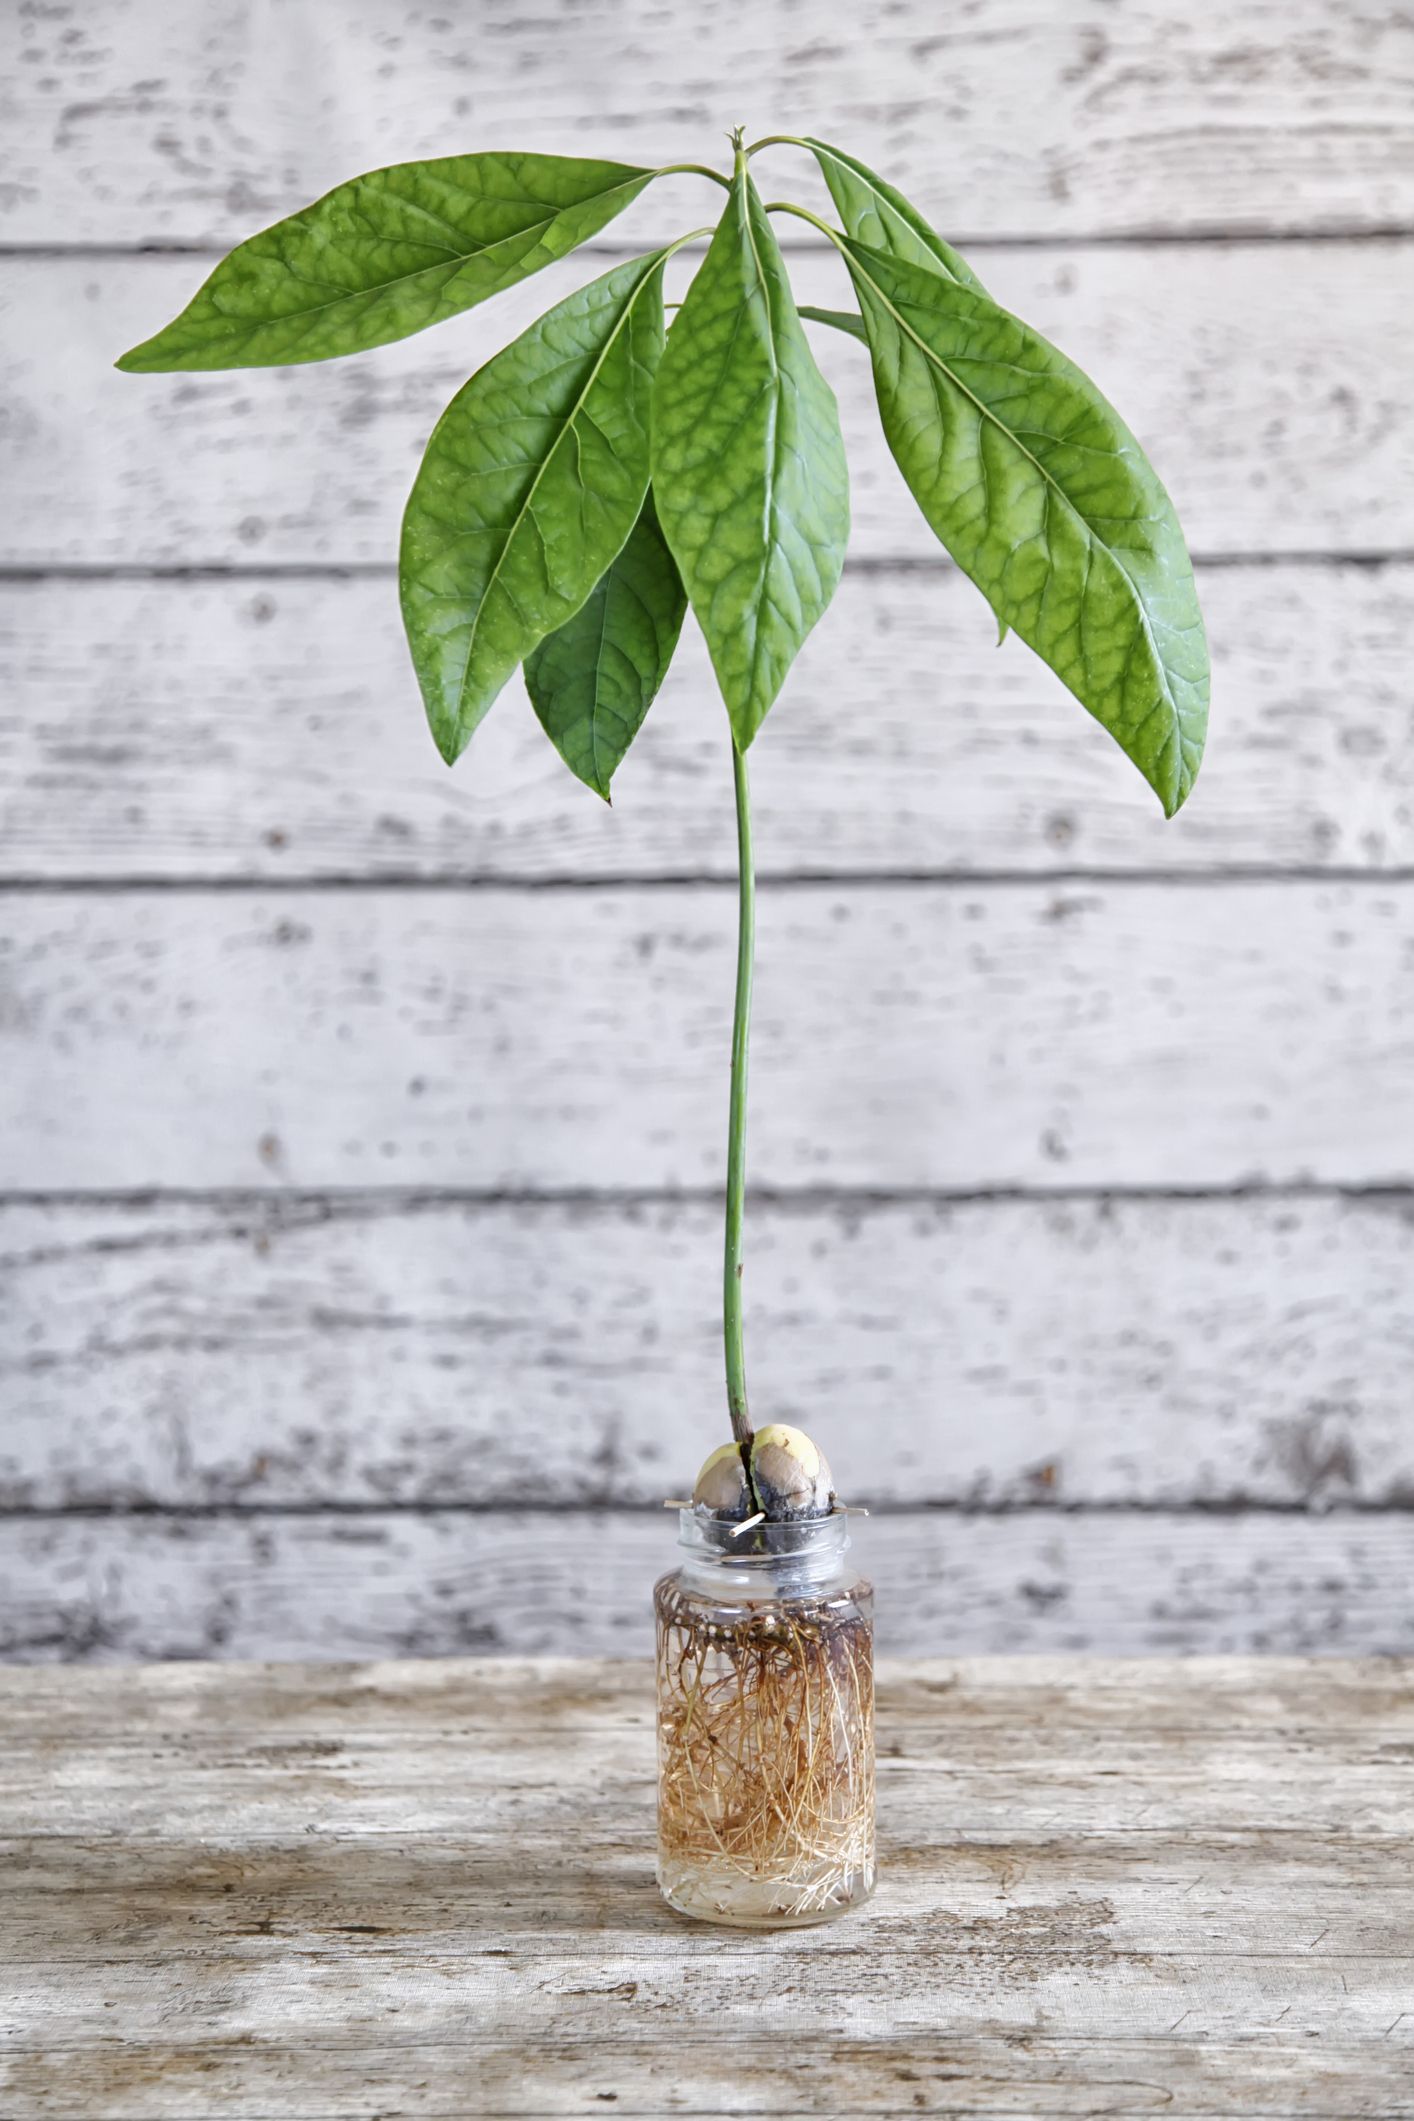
{"x":719,"y":1539}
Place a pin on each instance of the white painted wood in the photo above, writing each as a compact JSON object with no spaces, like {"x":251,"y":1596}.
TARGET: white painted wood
{"x":438,"y":1583}
{"x":366,"y":1350}
{"x":1268,"y":384}
{"x":920,"y":1036}
{"x":126,"y":124}
{"x":240,"y":1891}
{"x":986,"y":1035}
{"x":273,"y":729}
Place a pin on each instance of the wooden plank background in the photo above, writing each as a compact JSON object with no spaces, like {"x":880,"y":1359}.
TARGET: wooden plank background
{"x":360,"y":1123}
{"x":1267,"y":379}
{"x":131,"y":123}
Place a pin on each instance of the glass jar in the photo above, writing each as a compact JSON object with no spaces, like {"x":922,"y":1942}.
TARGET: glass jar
{"x":765,"y":1724}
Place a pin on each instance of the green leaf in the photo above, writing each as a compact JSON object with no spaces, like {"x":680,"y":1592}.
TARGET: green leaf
{"x":1042,"y":495}
{"x":593,"y":680}
{"x":531,"y":483}
{"x":748,"y":463}
{"x":846,"y":320}
{"x":874,"y":213}
{"x":386,"y":255}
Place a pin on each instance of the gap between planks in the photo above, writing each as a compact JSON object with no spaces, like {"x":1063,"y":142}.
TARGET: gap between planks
{"x":872,"y":565}
{"x":1215,"y":877}
{"x":1200,"y":237}
{"x":637,"y":1514}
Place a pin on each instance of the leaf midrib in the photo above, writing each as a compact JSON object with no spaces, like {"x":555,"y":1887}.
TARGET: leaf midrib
{"x":545,"y":462}
{"x":884,"y":206}
{"x":601,"y":783}
{"x":455,"y":259}
{"x":769,"y":513}
{"x":835,"y":155}
{"x":1052,"y":483}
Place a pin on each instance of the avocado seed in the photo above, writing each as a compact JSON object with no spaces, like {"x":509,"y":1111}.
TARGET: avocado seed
{"x":790,"y":1474}
{"x":722,"y":1489}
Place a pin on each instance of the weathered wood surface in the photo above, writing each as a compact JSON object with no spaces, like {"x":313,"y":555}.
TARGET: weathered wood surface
{"x":1136,"y":1034}
{"x":429,"y":1583}
{"x":366,"y":1350}
{"x":1104,"y":1888}
{"x":1268,"y":382}
{"x":1367,"y":1911}
{"x":244,"y":730}
{"x":128,"y":124}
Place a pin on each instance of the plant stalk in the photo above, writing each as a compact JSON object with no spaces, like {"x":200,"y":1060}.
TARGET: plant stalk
{"x":736,"y":1119}
{"x":694,"y":169}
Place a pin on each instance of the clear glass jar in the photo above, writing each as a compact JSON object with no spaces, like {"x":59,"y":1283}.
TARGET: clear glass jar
{"x":765,"y":1724}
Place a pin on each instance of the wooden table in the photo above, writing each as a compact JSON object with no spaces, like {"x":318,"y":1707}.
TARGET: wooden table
{"x":426,"y":1889}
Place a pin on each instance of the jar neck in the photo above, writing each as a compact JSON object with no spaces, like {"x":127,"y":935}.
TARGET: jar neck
{"x":768,"y":1561}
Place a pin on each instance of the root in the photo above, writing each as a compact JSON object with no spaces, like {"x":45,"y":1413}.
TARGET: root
{"x":765,"y":1725}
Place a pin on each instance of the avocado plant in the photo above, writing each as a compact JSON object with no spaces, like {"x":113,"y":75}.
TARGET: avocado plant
{"x":602,"y":473}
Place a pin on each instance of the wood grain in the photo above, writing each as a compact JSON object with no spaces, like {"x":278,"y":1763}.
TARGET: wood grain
{"x":1104,"y":1889}
{"x":374,"y":1350}
{"x":1268,"y":383}
{"x":134,"y":1898}
{"x":1121,"y":1034}
{"x":1341,"y":2080}
{"x":430,"y":1583}
{"x":1227,"y":1696}
{"x":239,"y":730}
{"x":127,"y":126}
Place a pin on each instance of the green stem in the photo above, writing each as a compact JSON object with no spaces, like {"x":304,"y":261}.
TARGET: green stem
{"x":803,"y":213}
{"x":693,"y":169}
{"x":736,"y":1121}
{"x":777,"y":140}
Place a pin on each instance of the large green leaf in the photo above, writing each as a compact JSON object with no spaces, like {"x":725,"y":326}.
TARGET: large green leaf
{"x":874,"y":213}
{"x":1042,"y":495}
{"x":748,"y":463}
{"x":593,"y":680}
{"x":388,"y":253}
{"x":532,"y":481}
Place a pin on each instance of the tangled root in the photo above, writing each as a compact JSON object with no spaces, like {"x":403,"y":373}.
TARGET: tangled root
{"x":766,"y":1756}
